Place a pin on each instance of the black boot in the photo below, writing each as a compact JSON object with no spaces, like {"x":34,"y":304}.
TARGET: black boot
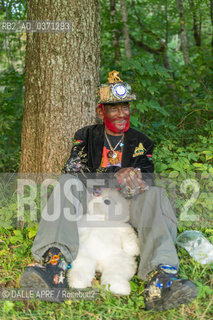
{"x":51,"y":275}
{"x":165,"y":290}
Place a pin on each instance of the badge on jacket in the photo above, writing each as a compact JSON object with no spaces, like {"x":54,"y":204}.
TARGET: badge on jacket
{"x":76,"y":142}
{"x":139,"y":151}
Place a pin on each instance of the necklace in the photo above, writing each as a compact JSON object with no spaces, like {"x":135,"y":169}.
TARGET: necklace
{"x":112,"y":154}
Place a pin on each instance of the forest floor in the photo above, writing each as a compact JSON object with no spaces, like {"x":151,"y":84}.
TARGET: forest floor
{"x":15,"y":255}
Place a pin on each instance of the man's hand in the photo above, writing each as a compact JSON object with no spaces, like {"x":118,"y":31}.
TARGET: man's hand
{"x":131,"y":177}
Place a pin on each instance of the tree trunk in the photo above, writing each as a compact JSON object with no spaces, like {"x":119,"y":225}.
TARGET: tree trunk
{"x":166,"y":61}
{"x":125,"y":29}
{"x":115,"y":32}
{"x":62,"y":74}
{"x":183,"y":32}
{"x":211,"y":15}
{"x":167,"y":23}
{"x":196,"y":25}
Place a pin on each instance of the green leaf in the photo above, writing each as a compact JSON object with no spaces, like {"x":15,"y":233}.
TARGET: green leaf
{"x":198,"y":165}
{"x":173,"y":174}
{"x":32,"y":232}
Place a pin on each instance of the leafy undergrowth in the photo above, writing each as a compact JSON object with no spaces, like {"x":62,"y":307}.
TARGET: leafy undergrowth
{"x":15,"y":255}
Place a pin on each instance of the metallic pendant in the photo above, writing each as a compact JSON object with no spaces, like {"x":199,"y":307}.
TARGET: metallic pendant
{"x":112,"y":154}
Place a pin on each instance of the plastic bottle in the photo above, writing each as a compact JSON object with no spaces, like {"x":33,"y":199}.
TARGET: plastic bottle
{"x":197,"y":246}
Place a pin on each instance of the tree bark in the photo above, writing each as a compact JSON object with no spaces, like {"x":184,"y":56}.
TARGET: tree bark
{"x":166,"y":61}
{"x":62,"y":74}
{"x":115,"y":32}
{"x":183,"y":32}
{"x":125,"y":29}
{"x":196,"y":24}
{"x":167,"y":23}
{"x":211,"y":15}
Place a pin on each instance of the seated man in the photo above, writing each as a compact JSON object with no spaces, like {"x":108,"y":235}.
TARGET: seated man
{"x":114,"y":148}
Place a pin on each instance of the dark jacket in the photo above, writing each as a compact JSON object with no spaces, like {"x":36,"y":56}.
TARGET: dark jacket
{"x":86,"y":153}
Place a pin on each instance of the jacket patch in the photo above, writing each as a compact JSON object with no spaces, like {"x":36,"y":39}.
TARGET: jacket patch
{"x":76,"y":142}
{"x":139,"y":150}
{"x":149,"y":156}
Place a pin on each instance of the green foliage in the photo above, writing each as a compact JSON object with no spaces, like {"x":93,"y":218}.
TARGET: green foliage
{"x":186,"y":173}
{"x":11,"y":101}
{"x":12,"y":55}
{"x":173,"y":102}
{"x":9,"y":209}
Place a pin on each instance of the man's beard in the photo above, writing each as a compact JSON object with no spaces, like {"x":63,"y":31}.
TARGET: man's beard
{"x":111,"y":125}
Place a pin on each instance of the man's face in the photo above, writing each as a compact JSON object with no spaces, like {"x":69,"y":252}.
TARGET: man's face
{"x":118,"y":114}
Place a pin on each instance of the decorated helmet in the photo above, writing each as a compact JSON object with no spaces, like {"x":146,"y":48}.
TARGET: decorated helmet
{"x":115,"y":90}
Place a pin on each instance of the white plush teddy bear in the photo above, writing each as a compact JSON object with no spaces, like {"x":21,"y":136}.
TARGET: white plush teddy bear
{"x":107,"y":244}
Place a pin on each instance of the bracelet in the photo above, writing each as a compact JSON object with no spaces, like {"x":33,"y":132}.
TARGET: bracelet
{"x":129,"y":193}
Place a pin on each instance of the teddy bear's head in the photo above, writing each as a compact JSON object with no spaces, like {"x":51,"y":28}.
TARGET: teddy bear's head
{"x":110,"y":205}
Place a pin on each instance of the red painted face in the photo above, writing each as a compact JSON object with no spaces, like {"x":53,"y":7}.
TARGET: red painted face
{"x":116,"y":116}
